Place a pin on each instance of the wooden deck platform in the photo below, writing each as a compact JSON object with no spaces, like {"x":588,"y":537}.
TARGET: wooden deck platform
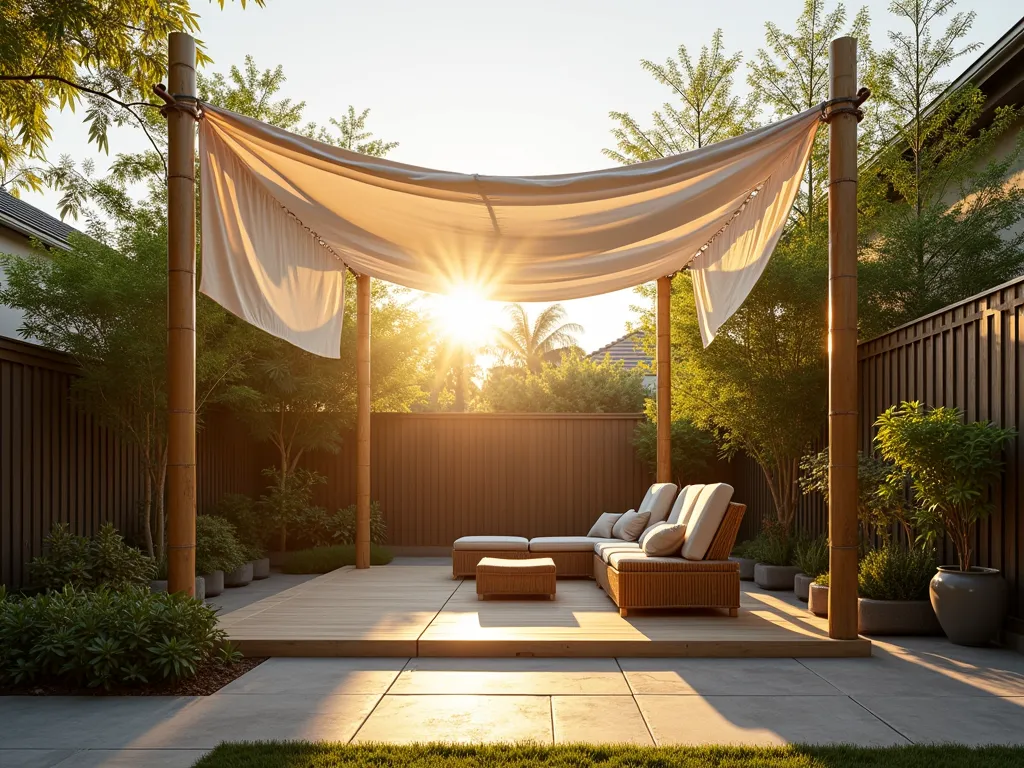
{"x":418,"y":610}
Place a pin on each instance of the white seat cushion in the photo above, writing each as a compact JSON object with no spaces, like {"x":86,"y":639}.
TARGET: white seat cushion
{"x":565,"y":543}
{"x":492,"y":543}
{"x":636,"y":561}
{"x":606,"y":546}
{"x":622,"y":549}
{"x":683,"y":507}
{"x":706,"y":519}
{"x":657,"y":502}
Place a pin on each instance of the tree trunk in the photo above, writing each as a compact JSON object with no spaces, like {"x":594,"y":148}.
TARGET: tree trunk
{"x":158,"y":498}
{"x":147,"y":512}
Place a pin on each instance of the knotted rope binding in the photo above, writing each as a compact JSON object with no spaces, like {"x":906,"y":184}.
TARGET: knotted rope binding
{"x":830,"y":110}
{"x":178,"y":101}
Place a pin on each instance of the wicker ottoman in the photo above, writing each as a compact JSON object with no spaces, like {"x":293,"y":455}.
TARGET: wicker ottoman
{"x":534,"y":576}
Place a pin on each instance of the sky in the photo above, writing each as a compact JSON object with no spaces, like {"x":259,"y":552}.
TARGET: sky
{"x":485,"y":87}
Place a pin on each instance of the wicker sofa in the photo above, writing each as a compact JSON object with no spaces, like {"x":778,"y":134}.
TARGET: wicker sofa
{"x":699,"y":576}
{"x":573,"y":555}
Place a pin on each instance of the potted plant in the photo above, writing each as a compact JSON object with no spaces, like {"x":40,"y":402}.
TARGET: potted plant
{"x":812,"y":560}
{"x":252,"y":529}
{"x":742,"y":554}
{"x":773,"y":550}
{"x":817,"y":596}
{"x":217,"y":551}
{"x":892,"y":582}
{"x":951,"y":465}
{"x":159,"y":582}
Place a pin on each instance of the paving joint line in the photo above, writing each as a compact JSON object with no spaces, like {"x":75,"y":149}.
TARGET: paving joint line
{"x":882,"y":720}
{"x":379,"y":700}
{"x":632,"y":695}
{"x":438,"y":613}
{"x":825,"y":680}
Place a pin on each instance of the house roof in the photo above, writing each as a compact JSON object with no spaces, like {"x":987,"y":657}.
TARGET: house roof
{"x":31,"y":222}
{"x":625,"y":349}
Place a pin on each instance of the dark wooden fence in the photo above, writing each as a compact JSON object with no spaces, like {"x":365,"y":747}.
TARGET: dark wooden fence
{"x":969,"y":355}
{"x":56,"y":463}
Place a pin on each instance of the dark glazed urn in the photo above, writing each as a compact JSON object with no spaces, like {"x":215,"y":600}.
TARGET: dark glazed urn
{"x":970,"y":605}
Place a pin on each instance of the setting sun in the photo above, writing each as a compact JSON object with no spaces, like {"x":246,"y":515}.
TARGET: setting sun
{"x":465,"y":316}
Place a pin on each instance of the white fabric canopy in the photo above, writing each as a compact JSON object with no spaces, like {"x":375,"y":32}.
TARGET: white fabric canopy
{"x":282,"y":215}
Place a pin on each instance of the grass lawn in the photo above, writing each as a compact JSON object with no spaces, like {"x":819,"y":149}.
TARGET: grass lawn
{"x":327,"y":755}
{"x":327,"y":559}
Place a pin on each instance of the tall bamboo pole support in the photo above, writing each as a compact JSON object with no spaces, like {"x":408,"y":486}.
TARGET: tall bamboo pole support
{"x":181,"y":320}
{"x":363,"y":421}
{"x":842,"y":332}
{"x":664,"y":318}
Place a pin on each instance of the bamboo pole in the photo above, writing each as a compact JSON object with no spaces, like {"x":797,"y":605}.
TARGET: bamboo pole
{"x":181,"y":320}
{"x":842,"y":380}
{"x":363,"y":422}
{"x":664,"y":318}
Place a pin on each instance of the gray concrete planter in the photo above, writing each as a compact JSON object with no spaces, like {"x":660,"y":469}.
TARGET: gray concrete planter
{"x":160,"y":585}
{"x":817,"y":600}
{"x":775,"y":577}
{"x":214,"y":583}
{"x":896,"y":617}
{"x":240,"y":577}
{"x":970,"y":605}
{"x":261,"y":569}
{"x":802,"y":586}
{"x":746,"y":567}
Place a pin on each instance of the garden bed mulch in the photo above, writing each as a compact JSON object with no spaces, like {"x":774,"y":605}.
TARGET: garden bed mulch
{"x":209,"y":679}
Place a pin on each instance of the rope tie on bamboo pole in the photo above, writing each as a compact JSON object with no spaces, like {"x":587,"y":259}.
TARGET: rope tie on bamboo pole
{"x":830,"y":108}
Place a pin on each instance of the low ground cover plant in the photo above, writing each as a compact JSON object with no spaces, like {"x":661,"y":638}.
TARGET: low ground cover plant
{"x":327,"y":755}
{"x":326,"y":559}
{"x":106,"y":638}
{"x":105,"y":560}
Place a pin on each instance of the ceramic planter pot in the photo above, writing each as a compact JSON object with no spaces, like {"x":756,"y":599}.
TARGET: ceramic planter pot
{"x":896,"y":617}
{"x":746,"y":567}
{"x":817,"y":600}
{"x":261,"y":569}
{"x":214,"y":583}
{"x":240,"y":577}
{"x":970,"y":605}
{"x":802,"y":586}
{"x":775,"y":577}
{"x":160,"y":585}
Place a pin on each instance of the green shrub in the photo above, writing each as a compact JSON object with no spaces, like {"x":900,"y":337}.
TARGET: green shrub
{"x":743,"y":549}
{"x":896,"y":573}
{"x":105,"y":637}
{"x":326,"y":559}
{"x":773,"y":546}
{"x":73,"y":560}
{"x":217,"y":547}
{"x":252,"y":526}
{"x":822,"y":580}
{"x":315,"y":527}
{"x":812,"y":556}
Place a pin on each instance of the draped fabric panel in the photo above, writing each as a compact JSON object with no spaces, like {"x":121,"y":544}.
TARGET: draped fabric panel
{"x":283,"y":215}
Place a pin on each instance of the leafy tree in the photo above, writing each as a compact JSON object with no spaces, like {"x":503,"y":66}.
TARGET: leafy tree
{"x":692,"y":447}
{"x":942,"y":203}
{"x":791,"y":74}
{"x":104,"y":302}
{"x":107,"y":53}
{"x":524,"y":346}
{"x":451,"y":385}
{"x":577,"y":385}
{"x":707,"y":110}
{"x":761,"y":386}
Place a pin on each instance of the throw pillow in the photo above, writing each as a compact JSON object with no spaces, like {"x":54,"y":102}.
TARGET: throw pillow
{"x":630,"y":525}
{"x":603,"y":527}
{"x":664,"y":540}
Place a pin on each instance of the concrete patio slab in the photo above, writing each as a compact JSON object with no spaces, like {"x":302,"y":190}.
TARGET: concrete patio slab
{"x":598,"y":720}
{"x":724,"y":677}
{"x":318,"y":677}
{"x":83,"y":722}
{"x":763,"y":720}
{"x":504,"y":676}
{"x":896,"y":671}
{"x":463,"y":719}
{"x":973,"y":720}
{"x":133,"y":758}
{"x":33,"y":758}
{"x":205,"y":723}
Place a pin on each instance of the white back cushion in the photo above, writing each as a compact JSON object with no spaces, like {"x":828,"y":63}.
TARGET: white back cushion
{"x":705,"y":520}
{"x":658,"y":501}
{"x":683,"y":507}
